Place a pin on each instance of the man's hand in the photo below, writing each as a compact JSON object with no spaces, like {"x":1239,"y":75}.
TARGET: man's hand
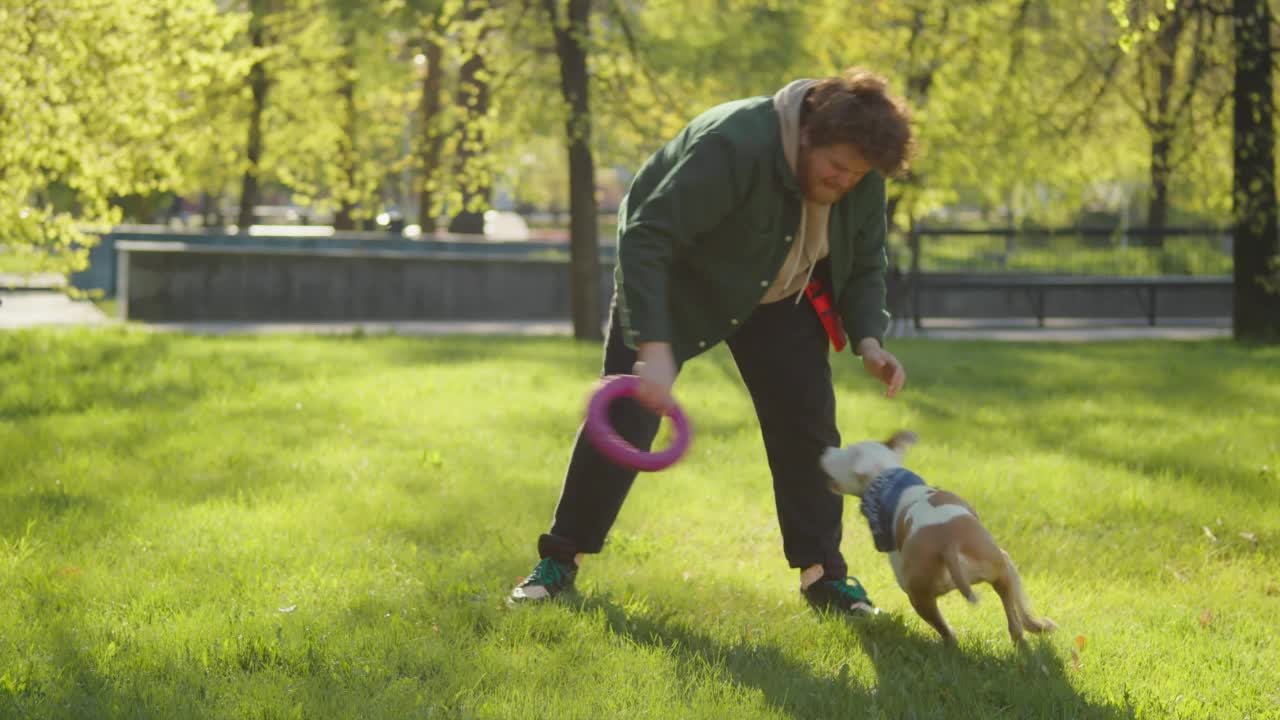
{"x":656,"y":368}
{"x":882,"y":365}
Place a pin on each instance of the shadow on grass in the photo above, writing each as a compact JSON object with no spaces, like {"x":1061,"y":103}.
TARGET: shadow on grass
{"x":914,"y":671}
{"x":65,"y":674}
{"x":916,"y":676}
{"x":43,"y":505}
{"x":42,"y":377}
{"x":1062,"y":399}
{"x":568,"y":356}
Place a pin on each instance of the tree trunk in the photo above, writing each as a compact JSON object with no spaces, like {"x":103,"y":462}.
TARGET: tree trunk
{"x":1158,"y":204}
{"x":584,"y":252}
{"x":258,"y":84}
{"x":473,"y":96}
{"x":432,"y":138}
{"x":1257,"y":292}
{"x":344,"y":219}
{"x":1166,"y":56}
{"x":206,"y":209}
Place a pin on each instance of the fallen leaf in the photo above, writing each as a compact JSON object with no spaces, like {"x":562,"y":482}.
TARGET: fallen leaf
{"x":70,"y":571}
{"x":1250,"y":537}
{"x":1081,"y":642}
{"x":1206,"y":617}
{"x":1209,"y":533}
{"x":1075,"y":659}
{"x":289,"y":609}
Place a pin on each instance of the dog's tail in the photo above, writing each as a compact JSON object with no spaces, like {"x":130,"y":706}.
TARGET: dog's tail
{"x":1030,"y":622}
{"x":951,"y":556}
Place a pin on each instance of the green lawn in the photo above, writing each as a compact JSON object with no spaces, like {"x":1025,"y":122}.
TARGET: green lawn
{"x":25,"y":262}
{"x":327,"y":527}
{"x":1068,"y":255}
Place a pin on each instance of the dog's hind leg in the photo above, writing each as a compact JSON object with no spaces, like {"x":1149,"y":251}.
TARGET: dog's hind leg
{"x":926,"y":606}
{"x":951,"y":557}
{"x":1021,"y":603}
{"x":1006,"y":587}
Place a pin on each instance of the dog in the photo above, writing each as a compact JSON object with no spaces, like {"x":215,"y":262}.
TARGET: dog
{"x":934,"y":539}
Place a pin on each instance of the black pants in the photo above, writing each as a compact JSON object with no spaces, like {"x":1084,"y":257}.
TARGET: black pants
{"x":781,"y":354}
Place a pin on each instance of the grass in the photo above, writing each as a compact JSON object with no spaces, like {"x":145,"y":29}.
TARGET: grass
{"x":110,"y":308}
{"x":327,"y":527}
{"x":24,"y":261}
{"x":1070,"y":255}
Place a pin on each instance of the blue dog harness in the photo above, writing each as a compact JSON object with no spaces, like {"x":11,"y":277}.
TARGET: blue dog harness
{"x":881,"y":500}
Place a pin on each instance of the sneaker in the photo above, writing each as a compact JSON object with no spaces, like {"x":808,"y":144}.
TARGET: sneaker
{"x":549,"y":578}
{"x":846,"y":595}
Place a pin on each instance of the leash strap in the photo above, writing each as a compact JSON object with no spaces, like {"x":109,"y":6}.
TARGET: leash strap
{"x":820,"y":299}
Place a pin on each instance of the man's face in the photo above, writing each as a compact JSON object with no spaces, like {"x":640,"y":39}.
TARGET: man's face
{"x":826,"y":173}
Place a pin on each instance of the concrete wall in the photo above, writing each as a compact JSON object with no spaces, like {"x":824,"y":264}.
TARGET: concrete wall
{"x":178,"y":284}
{"x":103,"y":272}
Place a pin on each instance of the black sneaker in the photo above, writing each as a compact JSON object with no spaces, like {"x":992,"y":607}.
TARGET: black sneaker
{"x":845,"y":595}
{"x":549,"y":578}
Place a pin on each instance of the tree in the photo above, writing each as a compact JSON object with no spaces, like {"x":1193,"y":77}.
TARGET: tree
{"x":259,"y":85}
{"x":472,"y":169}
{"x":1180,"y":69}
{"x":572,"y":34}
{"x":96,"y":101}
{"x":374,"y":86}
{"x":1257,"y":270}
{"x":430,"y":21}
{"x":310,"y":57}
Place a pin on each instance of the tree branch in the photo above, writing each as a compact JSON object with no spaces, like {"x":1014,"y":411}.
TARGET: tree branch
{"x":619,"y":14}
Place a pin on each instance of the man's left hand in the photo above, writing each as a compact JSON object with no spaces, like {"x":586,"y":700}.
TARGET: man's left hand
{"x":882,"y":365}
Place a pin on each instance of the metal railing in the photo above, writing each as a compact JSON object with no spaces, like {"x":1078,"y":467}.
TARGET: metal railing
{"x":1025,"y":268}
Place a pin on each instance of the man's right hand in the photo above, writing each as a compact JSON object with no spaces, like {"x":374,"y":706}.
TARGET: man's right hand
{"x":656,"y":369}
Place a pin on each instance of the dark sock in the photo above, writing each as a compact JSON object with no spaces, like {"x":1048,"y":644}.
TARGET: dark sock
{"x":558,"y":548}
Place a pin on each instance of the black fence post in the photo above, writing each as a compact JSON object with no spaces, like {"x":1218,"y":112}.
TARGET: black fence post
{"x":913,"y":242}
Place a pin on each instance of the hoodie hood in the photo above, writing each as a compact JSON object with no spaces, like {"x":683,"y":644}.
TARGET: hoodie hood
{"x":811,"y":243}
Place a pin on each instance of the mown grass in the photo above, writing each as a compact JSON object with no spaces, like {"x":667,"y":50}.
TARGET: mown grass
{"x":1069,"y":255}
{"x":327,"y":527}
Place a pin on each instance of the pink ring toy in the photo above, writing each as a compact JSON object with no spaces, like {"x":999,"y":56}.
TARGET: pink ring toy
{"x":613,"y":446}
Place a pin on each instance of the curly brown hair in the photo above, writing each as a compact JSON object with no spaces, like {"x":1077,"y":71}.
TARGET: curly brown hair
{"x":856,"y":108}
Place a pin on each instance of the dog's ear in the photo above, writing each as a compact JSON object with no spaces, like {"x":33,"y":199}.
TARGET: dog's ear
{"x":902,"y":441}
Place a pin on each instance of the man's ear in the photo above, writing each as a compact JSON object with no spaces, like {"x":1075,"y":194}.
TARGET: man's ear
{"x":902,"y":441}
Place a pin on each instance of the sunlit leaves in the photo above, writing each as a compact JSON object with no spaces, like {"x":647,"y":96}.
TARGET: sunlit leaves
{"x":96,"y":101}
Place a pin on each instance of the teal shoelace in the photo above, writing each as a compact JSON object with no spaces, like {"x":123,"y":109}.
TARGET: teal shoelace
{"x":548,"y":573}
{"x":852,"y":589}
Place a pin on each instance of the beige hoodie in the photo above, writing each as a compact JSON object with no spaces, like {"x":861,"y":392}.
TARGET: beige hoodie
{"x":812,"y":234}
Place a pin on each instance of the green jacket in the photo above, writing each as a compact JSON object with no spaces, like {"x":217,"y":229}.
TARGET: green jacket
{"x":706,"y":226}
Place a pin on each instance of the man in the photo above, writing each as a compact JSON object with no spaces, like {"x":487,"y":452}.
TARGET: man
{"x":719,"y":239}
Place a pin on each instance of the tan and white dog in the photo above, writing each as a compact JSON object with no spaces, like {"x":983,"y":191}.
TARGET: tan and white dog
{"x":934,"y":539}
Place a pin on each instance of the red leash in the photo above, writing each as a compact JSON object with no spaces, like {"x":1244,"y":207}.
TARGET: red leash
{"x":820,"y":298}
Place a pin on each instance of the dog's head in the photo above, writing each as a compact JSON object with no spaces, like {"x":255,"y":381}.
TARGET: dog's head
{"x":852,"y":468}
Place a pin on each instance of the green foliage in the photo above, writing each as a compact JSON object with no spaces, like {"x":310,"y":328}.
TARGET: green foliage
{"x":95,"y":101}
{"x":1025,"y":110}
